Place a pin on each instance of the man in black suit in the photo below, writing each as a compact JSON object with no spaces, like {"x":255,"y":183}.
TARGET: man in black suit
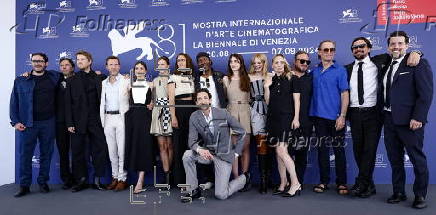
{"x":82,"y":115}
{"x":407,"y":96}
{"x":63,"y":140}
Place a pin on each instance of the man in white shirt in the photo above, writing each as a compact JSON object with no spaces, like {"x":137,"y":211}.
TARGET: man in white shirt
{"x":114,"y":104}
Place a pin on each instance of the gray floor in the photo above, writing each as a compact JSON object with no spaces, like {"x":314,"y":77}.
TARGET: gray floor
{"x":91,"y":202}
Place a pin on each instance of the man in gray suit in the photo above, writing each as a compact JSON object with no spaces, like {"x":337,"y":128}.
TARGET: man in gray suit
{"x":212,"y":126}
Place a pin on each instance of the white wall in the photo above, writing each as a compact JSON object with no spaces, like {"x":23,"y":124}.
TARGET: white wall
{"x":7,"y":134}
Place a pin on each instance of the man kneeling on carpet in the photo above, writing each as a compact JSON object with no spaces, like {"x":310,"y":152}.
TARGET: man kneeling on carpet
{"x":212,"y":126}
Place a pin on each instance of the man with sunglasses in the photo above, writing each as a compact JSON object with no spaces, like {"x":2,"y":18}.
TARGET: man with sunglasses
{"x":328,"y":108}
{"x":304,"y":83}
{"x":32,"y":113}
{"x":364,"y":113}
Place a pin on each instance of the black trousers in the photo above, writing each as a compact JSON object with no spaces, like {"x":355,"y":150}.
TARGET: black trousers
{"x":300,"y":156}
{"x":63,"y":142}
{"x":98,"y":150}
{"x":398,"y":138}
{"x":327,"y":138}
{"x":180,"y":139}
{"x":366,"y":127}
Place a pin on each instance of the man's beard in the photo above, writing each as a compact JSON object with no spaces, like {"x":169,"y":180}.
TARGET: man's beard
{"x":299,"y":69}
{"x":39,"y":72}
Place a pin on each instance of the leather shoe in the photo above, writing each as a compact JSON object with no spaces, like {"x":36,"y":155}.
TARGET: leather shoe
{"x":121,"y":185}
{"x":397,"y":198}
{"x":113,"y":184}
{"x":81,"y":185}
{"x":369,"y":191}
{"x":419,"y":202}
{"x":67,"y":185}
{"x":247,"y":185}
{"x":195,"y":194}
{"x":357,"y":189}
{"x":22,"y":192}
{"x":43,"y":188}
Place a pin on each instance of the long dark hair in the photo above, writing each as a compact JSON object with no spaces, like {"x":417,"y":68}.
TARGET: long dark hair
{"x":244,"y":84}
{"x":189,"y":63}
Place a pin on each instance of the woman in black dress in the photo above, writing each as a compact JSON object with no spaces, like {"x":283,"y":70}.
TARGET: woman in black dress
{"x":139,"y":148}
{"x":283,"y":115}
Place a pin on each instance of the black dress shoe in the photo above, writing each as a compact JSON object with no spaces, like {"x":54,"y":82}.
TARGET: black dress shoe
{"x":397,"y":198}
{"x":22,"y":192}
{"x":43,"y":188}
{"x":419,"y":202}
{"x":357,"y":189}
{"x":369,"y":191}
{"x":98,"y":186}
{"x":79,"y":187}
{"x":247,"y":185}
{"x":68,"y":184}
{"x":195,"y":194}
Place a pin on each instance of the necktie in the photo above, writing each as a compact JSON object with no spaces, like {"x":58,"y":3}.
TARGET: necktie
{"x":360,"y":83}
{"x":388,"y":85}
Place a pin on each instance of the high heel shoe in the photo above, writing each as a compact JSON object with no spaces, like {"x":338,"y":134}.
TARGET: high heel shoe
{"x":296,"y":192}
{"x":280,"y":192}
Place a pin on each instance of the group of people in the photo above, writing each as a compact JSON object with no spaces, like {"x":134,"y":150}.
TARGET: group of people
{"x":203,"y":121}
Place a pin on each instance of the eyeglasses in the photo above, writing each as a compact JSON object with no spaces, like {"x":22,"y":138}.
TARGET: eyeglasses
{"x":361,"y":46}
{"x":329,"y":50}
{"x":38,"y":61}
{"x":302,"y":61}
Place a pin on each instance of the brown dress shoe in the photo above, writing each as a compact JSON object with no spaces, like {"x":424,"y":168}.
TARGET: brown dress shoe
{"x":122,"y":185}
{"x":113,"y":184}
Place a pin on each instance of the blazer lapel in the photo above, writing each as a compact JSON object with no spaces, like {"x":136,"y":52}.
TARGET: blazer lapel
{"x":400,"y":68}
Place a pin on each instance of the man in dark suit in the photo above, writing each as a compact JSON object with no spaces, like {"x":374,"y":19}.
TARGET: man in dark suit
{"x":82,"y":115}
{"x":407,"y":96}
{"x":63,"y":139}
{"x":213,"y":126}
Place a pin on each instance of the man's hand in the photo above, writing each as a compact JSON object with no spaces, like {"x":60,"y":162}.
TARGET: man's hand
{"x":19,"y":127}
{"x":205,"y":154}
{"x":26,"y":74}
{"x":414,"y":58}
{"x":414,"y":125}
{"x":72,"y":130}
{"x":340,"y":123}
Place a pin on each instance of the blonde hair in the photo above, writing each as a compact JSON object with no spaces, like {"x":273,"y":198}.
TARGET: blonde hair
{"x":287,"y":68}
{"x":264,"y":60}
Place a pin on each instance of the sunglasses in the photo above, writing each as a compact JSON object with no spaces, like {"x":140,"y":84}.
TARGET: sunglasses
{"x":302,"y":61}
{"x":329,"y":50}
{"x":361,"y":46}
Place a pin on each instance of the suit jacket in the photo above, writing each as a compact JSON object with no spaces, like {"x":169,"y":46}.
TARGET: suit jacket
{"x":123,"y":97}
{"x":218,"y":80}
{"x":219,"y":143}
{"x":380,"y":62}
{"x":411,"y":92}
{"x":76,"y":102}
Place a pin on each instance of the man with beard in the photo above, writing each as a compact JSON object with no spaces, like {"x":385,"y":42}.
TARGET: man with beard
{"x":63,"y":140}
{"x":407,"y":96}
{"x":213,"y":126}
{"x":32,"y":113}
{"x":82,"y":115}
{"x":304,"y":83}
{"x":364,"y":77}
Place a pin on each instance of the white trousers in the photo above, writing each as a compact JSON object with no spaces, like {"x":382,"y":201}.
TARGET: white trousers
{"x":114,"y":130}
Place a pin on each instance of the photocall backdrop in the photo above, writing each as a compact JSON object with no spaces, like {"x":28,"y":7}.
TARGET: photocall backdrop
{"x":144,"y":29}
